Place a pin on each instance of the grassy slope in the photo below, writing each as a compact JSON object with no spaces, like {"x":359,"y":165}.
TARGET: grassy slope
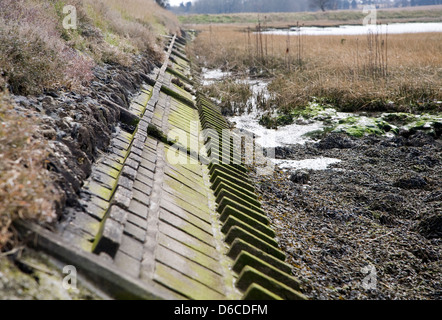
{"x":38,"y":53}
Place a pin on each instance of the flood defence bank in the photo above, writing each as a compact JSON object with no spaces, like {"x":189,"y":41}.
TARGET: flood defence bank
{"x":149,"y":229}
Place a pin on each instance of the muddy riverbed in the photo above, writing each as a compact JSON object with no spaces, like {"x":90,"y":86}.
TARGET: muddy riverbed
{"x":367,"y":227}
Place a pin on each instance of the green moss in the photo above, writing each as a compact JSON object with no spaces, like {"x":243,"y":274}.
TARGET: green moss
{"x":268,"y":121}
{"x":43,"y":283}
{"x":361,"y":126}
{"x":114,"y":173}
{"x":179,"y":75}
{"x":348,"y":120}
{"x":177,"y":96}
{"x":399,"y":118}
{"x":318,"y":134}
{"x":250,"y":276}
{"x":156,"y":133}
{"x":256,"y":292}
{"x":360,"y":131}
{"x":99,"y":190}
{"x":312,"y":110}
{"x":247,"y":259}
{"x":234,"y":222}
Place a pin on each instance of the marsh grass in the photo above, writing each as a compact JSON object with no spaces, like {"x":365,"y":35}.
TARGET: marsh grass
{"x":353,"y":73}
{"x":234,"y":96}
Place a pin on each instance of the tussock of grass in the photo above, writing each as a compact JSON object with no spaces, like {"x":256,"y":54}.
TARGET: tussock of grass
{"x":26,"y":189}
{"x":234,"y":96}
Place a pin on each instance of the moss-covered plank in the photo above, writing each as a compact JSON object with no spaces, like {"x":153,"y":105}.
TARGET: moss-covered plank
{"x":239,"y":233}
{"x":186,"y":286}
{"x":190,"y":269}
{"x":219,"y":176}
{"x":187,"y":239}
{"x":250,"y":276}
{"x":232,"y":221}
{"x":256,"y":292}
{"x":230,"y":170}
{"x":247,"y":259}
{"x":240,"y":245}
{"x":241,"y":199}
{"x":189,"y":253}
{"x":187,"y":227}
{"x":248,"y":220}
{"x":217,"y":186}
{"x":177,"y":96}
{"x":230,"y":206}
{"x":251,"y":197}
{"x":99,"y":190}
{"x":235,"y":222}
{"x":200,"y":209}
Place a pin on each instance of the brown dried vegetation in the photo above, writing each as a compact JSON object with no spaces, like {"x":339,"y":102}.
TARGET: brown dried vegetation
{"x":26,"y":189}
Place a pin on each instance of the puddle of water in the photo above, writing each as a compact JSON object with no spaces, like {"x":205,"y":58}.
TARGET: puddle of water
{"x":396,"y":28}
{"x":212,"y":76}
{"x":271,"y":138}
{"x":307,"y":164}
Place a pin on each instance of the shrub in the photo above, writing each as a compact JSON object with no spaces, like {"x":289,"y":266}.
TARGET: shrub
{"x":26,"y":189}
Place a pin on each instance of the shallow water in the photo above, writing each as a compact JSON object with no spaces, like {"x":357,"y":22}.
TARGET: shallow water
{"x":309,"y":164}
{"x":347,"y":30}
{"x":212,"y":76}
{"x":271,"y":138}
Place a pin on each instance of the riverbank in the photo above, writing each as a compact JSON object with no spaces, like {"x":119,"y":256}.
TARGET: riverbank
{"x":319,"y":19}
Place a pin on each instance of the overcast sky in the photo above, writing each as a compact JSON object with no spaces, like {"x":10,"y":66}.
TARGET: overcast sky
{"x":177,"y":2}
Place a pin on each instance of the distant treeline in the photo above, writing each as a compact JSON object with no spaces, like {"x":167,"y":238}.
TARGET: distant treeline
{"x":234,"y":6}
